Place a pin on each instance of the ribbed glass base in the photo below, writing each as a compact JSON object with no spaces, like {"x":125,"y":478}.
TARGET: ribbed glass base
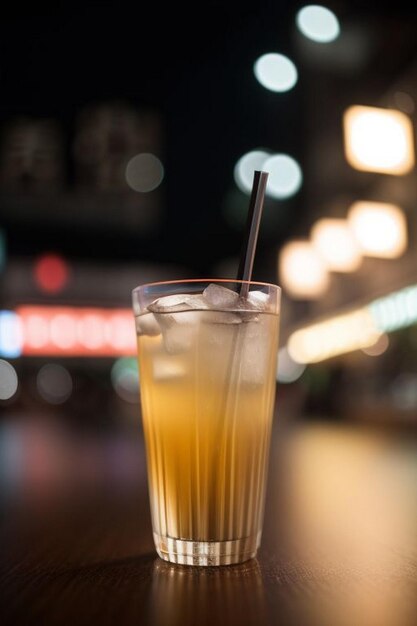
{"x":206,"y":553}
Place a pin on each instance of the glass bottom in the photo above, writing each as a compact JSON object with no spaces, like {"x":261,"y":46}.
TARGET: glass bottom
{"x":206,"y":553}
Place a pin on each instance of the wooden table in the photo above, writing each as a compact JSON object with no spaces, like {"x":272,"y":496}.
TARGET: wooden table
{"x":339,"y":544}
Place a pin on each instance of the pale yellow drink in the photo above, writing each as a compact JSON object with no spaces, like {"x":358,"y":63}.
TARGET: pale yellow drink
{"x":207,"y":403}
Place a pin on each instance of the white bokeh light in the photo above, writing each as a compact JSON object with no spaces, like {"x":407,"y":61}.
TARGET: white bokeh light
{"x":318,"y":23}
{"x":144,"y":172}
{"x":54,"y":383}
{"x":288,"y":370}
{"x":275,"y":72}
{"x":246,"y":166}
{"x":8,"y":380}
{"x":285,"y":176}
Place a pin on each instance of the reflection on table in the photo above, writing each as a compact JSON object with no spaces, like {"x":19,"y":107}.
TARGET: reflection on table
{"x":339,"y":546}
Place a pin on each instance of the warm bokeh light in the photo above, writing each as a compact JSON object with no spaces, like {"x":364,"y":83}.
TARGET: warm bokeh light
{"x":365,"y":328}
{"x":36,"y":331}
{"x":91,"y":331}
{"x":379,"y":347}
{"x":275,"y":72}
{"x":285,"y":176}
{"x":51,"y":273}
{"x":144,"y":172}
{"x":335,"y":243}
{"x":379,"y":228}
{"x":378,"y":140}
{"x":318,"y":23}
{"x":246,"y":166}
{"x":63,"y":331}
{"x":288,"y":370}
{"x":332,"y":337}
{"x":8,"y":380}
{"x":302,"y":273}
{"x":54,"y":383}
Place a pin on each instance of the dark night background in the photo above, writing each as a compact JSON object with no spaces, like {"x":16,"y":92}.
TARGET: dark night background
{"x":194,"y":67}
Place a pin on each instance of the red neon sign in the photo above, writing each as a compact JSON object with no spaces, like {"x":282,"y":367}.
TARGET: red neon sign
{"x":70,"y":331}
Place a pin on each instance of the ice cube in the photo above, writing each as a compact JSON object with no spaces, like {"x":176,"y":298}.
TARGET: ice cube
{"x":219,"y":297}
{"x":167,"y":368}
{"x":178,"y":329}
{"x":255,"y":351}
{"x":255,"y":302}
{"x":147,"y":325}
{"x":197,"y":302}
{"x":258,"y":300}
{"x":176,"y":302}
{"x":217,"y":338}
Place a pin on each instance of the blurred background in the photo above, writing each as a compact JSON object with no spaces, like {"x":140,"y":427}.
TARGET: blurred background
{"x":127,"y":149}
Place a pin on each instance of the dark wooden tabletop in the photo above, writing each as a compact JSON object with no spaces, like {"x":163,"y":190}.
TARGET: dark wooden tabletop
{"x":339,"y":545}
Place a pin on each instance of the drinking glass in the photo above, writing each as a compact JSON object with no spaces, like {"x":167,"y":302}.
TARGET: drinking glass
{"x":207,"y":362}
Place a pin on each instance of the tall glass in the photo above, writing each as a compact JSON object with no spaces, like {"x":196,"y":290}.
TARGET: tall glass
{"x":207,"y":361}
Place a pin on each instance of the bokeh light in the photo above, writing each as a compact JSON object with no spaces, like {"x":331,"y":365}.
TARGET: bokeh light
{"x":63,"y":331}
{"x":334,"y":241}
{"x":36,"y":331}
{"x":288,"y":370}
{"x":318,"y":23}
{"x":301,"y":271}
{"x":275,"y":72}
{"x":73,"y":331}
{"x":405,"y":102}
{"x":54,"y":383}
{"x":125,"y":379}
{"x":334,"y":336}
{"x":246,"y":166}
{"x":91,"y":331}
{"x":120,"y":333}
{"x":11,"y":335}
{"x":285,"y":176}
{"x":378,"y":140}
{"x":395,"y":310}
{"x":144,"y":172}
{"x":379,"y":228}
{"x":379,"y":347}
{"x":404,"y":391}
{"x":51,"y":273}
{"x":8,"y":380}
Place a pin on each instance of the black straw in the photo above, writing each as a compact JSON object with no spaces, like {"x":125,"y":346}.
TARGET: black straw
{"x":253,"y":220}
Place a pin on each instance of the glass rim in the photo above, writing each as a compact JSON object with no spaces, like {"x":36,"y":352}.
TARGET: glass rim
{"x":204,"y":280}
